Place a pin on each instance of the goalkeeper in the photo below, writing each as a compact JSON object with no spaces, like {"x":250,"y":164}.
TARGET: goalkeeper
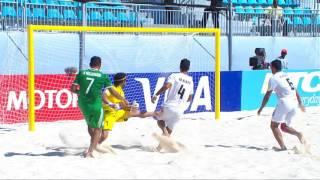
{"x":88,"y":85}
{"x":115,"y":110}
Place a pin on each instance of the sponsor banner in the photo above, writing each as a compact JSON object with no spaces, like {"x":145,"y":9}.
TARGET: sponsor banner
{"x":255,"y":84}
{"x":54,"y":100}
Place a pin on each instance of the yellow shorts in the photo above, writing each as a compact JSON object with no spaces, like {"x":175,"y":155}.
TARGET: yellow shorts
{"x":111,"y":117}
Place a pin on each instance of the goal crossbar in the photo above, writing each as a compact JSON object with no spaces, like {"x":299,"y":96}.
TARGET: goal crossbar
{"x":31,"y":61}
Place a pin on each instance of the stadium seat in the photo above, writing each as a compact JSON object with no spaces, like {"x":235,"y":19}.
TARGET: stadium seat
{"x":282,"y":2}
{"x":289,"y":21}
{"x":239,"y":10}
{"x":307,"y":11}
{"x":95,"y":16}
{"x":108,"y":16}
{"x":259,"y":10}
{"x":298,"y":11}
{"x":225,"y":1}
{"x":117,"y":2}
{"x":39,"y":13}
{"x":318,"y":20}
{"x":66,"y":3}
{"x":91,"y":5}
{"x":37,"y":1}
{"x":8,"y":1}
{"x":243,"y":2}
{"x":288,"y":11}
{"x":262,"y":2}
{"x":269,"y":2}
{"x":297,"y":21}
{"x":123,"y":17}
{"x":307,"y":21}
{"x":52,"y":2}
{"x":252,"y":2}
{"x":133,"y":17}
{"x":28,"y":12}
{"x":8,"y":11}
{"x":54,"y":14}
{"x":249,"y":10}
{"x":69,"y":14}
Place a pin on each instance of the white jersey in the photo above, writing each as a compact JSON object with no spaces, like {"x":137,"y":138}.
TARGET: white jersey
{"x":181,"y":89}
{"x":281,"y":84}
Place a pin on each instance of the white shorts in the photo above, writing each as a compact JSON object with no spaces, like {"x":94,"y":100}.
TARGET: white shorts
{"x":285,"y":111}
{"x":170,"y":116}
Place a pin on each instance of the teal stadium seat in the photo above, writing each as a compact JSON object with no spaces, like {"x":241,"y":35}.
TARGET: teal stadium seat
{"x":133,"y":17}
{"x":92,"y":5}
{"x":262,"y":2}
{"x":307,"y":11}
{"x":225,"y":1}
{"x":69,"y":14}
{"x":54,"y":14}
{"x":289,"y":21}
{"x":66,"y":3}
{"x":8,"y":11}
{"x":298,"y":11}
{"x":52,"y":2}
{"x":307,"y":21}
{"x":116,"y":2}
{"x":95,"y":16}
{"x":281,"y":3}
{"x":37,"y":1}
{"x":9,"y":1}
{"x":269,"y":2}
{"x":108,"y":16}
{"x":39,"y":13}
{"x":288,"y":11}
{"x":28,"y":12}
{"x":249,"y":10}
{"x":317,"y":21}
{"x":252,"y":2}
{"x":259,"y":10}
{"x":239,"y":10}
{"x":243,"y":2}
{"x":297,"y":21}
{"x":123,"y":17}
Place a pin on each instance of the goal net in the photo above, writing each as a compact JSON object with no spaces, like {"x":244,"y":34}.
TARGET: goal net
{"x":40,"y":92}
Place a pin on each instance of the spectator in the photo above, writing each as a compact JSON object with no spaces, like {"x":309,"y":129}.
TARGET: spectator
{"x":275,"y":15}
{"x":214,"y":9}
{"x":282,"y":58}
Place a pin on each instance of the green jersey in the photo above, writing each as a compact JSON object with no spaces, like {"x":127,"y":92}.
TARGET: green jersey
{"x":91,"y":82}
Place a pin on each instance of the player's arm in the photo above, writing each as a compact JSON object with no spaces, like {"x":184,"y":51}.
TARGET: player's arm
{"x":75,"y":87}
{"x":117,"y":95}
{"x":303,"y":109}
{"x":265,"y":101}
{"x":163,"y":89}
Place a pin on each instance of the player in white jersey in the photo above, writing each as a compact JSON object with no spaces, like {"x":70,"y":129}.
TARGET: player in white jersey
{"x":180,"y":91}
{"x":288,"y":102}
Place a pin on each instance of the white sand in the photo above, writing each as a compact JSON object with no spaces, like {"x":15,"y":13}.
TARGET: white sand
{"x":230,"y":148}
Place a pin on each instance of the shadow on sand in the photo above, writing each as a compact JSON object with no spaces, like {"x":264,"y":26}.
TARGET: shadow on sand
{"x":238,"y":146}
{"x":54,"y":152}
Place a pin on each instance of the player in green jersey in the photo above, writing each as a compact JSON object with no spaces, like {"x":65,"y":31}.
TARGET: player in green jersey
{"x":88,"y":85}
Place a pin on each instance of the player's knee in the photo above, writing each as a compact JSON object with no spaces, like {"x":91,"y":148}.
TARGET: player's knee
{"x":283,"y":127}
{"x":274,"y":125}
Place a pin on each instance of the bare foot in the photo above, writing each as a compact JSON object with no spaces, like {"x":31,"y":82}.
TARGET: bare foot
{"x":87,"y":154}
{"x":279,"y":149}
{"x":302,"y":139}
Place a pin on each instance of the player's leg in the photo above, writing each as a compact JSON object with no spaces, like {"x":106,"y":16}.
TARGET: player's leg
{"x":285,"y":127}
{"x":96,"y":123}
{"x":277,"y":134}
{"x":109,"y":120}
{"x":162,"y":126}
{"x":278,"y":117}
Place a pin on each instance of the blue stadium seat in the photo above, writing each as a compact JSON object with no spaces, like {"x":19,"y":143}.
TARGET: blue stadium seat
{"x":317,"y":21}
{"x":289,"y":21}
{"x":28,"y":12}
{"x":108,"y":16}
{"x":8,"y":1}
{"x":252,"y":2}
{"x":133,"y":17}
{"x":225,"y":1}
{"x":95,"y":16}
{"x":259,"y":10}
{"x":8,"y":11}
{"x":123,"y":17}
{"x":91,"y":4}
{"x":281,"y":2}
{"x":243,"y":2}
{"x":117,"y":2}
{"x":269,"y":2}
{"x":307,"y":11}
{"x":66,"y":3}
{"x":54,"y":14}
{"x":239,"y":10}
{"x":39,"y":13}
{"x":52,"y":2}
{"x":289,"y":2}
{"x":288,"y":11}
{"x":249,"y":10}
{"x":297,"y":21}
{"x":69,"y":14}
{"x":262,"y":2}
{"x":307,"y":21}
{"x":298,"y":11}
{"x":37,"y":1}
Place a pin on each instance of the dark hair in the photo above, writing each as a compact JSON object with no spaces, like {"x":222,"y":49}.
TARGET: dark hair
{"x":276,"y":64}
{"x":119,"y":78}
{"x":184,"y":65}
{"x":275,"y":3}
{"x":95,"y":61}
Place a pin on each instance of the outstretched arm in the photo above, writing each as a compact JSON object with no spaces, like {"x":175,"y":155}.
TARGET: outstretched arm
{"x":303,"y":109}
{"x":264,"y":101}
{"x":163,"y":89}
